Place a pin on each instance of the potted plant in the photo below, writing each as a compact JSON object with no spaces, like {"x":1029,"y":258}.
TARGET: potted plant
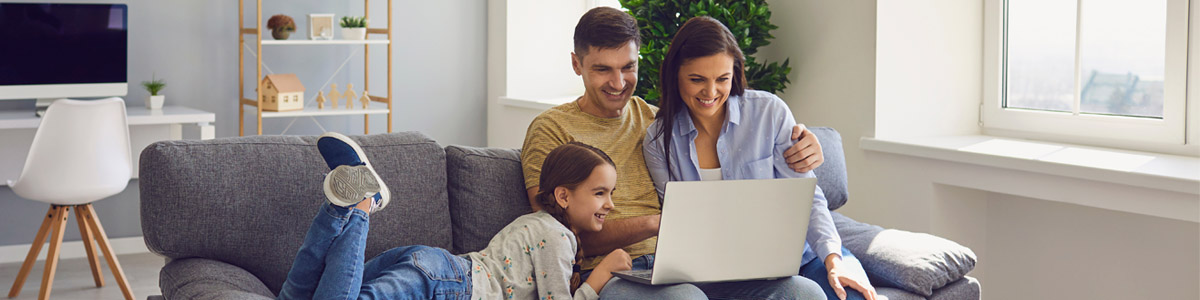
{"x":749,"y":20}
{"x":281,"y":26}
{"x":154,"y":101}
{"x":354,"y":28}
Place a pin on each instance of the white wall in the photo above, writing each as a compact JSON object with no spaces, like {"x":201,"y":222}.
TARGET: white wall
{"x":529,"y":59}
{"x":859,"y":66}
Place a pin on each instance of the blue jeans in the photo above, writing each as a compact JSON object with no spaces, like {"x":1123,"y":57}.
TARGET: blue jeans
{"x":617,"y":288}
{"x":330,"y":265}
{"x":815,"y":270}
{"x":794,"y":287}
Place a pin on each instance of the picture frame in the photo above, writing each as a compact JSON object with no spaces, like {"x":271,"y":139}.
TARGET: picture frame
{"x":320,"y":26}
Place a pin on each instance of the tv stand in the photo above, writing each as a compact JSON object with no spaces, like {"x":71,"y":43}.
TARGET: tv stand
{"x":42,"y":105}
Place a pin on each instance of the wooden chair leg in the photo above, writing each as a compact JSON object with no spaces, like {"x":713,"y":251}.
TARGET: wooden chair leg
{"x":102,"y":241}
{"x":34,"y":250}
{"x":86,"y":234}
{"x":59,"y":225}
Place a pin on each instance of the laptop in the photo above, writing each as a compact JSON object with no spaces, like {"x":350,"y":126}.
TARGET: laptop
{"x":730,"y":230}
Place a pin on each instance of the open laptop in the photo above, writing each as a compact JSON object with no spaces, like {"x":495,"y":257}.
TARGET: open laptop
{"x":730,"y":230}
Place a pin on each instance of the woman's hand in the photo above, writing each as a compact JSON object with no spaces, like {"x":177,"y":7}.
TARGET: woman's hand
{"x":842,"y":275}
{"x":617,"y":260}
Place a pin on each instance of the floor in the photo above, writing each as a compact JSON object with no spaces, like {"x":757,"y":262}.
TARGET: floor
{"x":73,"y":279}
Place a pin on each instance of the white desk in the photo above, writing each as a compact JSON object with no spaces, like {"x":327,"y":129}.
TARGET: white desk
{"x":17,"y":128}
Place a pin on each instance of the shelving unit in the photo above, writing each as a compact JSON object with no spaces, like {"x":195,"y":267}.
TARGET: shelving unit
{"x":378,"y":104}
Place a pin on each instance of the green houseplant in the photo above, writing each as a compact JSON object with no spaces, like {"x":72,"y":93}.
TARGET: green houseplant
{"x":354,"y":28}
{"x":749,"y":20}
{"x":155,"y":85}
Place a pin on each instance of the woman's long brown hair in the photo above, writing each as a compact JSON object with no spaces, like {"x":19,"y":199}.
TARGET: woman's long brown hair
{"x":568,"y":166}
{"x":698,"y":37}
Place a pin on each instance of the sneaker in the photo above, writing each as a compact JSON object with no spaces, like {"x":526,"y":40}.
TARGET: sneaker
{"x":339,"y":150}
{"x":346,"y":185}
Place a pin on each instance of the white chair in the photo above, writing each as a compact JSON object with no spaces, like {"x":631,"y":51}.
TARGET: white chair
{"x":80,"y":154}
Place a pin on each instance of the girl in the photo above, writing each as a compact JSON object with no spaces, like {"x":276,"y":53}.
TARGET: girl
{"x":710,"y":127}
{"x":534,"y":257}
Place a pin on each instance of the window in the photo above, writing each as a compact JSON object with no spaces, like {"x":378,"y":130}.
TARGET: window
{"x":1086,"y":69}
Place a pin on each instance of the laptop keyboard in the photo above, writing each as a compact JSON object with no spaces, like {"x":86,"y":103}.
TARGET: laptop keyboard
{"x":643,"y":274}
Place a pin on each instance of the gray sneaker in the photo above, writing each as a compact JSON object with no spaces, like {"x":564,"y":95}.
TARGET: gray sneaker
{"x":347,"y":185}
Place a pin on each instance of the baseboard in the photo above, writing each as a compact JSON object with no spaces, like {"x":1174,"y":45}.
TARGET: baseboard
{"x":74,"y":249}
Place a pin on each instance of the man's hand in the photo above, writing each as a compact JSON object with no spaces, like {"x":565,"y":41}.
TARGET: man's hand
{"x":805,"y":155}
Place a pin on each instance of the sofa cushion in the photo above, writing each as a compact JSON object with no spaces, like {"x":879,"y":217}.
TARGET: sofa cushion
{"x":199,"y":278}
{"x":916,"y":262}
{"x":831,"y":175}
{"x":248,"y":201}
{"x":487,"y":192}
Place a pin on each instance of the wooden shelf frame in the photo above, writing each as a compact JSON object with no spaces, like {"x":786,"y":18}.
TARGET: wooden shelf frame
{"x":257,"y":31}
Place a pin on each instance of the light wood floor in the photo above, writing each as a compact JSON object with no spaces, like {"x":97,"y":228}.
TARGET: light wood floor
{"x":73,"y":280}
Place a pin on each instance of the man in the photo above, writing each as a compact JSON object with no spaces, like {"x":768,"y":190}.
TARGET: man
{"x":610,"y":118}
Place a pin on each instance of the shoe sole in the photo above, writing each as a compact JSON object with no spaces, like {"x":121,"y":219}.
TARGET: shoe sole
{"x":348,"y":185}
{"x":384,"y":193}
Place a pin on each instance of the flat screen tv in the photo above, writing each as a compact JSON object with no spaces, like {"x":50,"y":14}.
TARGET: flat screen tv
{"x":59,"y":50}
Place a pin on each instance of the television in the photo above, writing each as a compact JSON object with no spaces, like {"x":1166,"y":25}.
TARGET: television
{"x":59,"y":50}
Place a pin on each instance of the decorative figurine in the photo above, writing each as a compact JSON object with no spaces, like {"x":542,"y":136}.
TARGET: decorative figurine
{"x":334,"y":95}
{"x":366,"y":99}
{"x":320,"y":99}
{"x":350,"y":96}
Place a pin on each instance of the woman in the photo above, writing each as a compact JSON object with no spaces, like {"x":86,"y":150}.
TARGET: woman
{"x":710,"y":127}
{"x":534,"y":257}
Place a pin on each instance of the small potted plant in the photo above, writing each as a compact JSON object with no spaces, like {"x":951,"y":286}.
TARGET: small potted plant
{"x":281,"y":26}
{"x":354,"y":28}
{"x":154,"y":101}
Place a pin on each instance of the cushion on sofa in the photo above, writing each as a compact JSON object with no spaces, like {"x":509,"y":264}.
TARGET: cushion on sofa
{"x":249,"y":201}
{"x":831,"y":175}
{"x":487,"y":191}
{"x":915,"y":262}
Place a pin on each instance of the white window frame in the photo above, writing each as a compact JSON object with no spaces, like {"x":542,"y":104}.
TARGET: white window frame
{"x":1070,"y":127}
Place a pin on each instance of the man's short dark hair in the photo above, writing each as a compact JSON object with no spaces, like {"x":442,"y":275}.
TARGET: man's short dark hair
{"x":605,"y":28}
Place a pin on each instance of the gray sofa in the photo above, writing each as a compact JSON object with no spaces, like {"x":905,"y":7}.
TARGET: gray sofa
{"x":229,"y":214}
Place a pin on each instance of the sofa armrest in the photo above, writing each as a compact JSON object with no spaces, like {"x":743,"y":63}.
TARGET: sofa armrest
{"x":199,"y":278}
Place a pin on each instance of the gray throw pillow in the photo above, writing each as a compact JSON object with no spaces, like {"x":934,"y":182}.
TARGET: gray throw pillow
{"x":487,"y":191}
{"x":915,"y":262}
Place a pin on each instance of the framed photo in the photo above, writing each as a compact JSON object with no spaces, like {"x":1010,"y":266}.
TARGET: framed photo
{"x":320,"y":26}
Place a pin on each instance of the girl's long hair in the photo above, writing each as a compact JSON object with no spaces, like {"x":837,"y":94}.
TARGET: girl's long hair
{"x":698,"y":37}
{"x":568,"y":166}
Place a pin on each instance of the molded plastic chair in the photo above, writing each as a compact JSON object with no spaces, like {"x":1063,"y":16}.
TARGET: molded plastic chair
{"x":80,"y":154}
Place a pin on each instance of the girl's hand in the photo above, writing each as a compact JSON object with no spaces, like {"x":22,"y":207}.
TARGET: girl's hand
{"x":617,"y":260}
{"x":841,"y":276}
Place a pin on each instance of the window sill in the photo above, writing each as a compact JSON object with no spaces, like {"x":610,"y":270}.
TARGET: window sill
{"x":539,"y":104}
{"x":1163,"y":185}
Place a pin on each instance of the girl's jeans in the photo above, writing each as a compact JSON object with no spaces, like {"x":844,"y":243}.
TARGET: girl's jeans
{"x":330,"y":265}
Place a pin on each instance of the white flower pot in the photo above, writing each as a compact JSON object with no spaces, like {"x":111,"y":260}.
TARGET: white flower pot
{"x":354,"y":33}
{"x":155,"y":102}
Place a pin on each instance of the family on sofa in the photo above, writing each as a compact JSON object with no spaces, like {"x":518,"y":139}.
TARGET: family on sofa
{"x":594,"y":173}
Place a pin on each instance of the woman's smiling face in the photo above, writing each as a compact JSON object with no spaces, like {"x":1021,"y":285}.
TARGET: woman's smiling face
{"x":704,"y":84}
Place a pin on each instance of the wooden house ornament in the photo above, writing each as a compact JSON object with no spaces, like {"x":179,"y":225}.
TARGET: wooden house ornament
{"x":282,"y":92}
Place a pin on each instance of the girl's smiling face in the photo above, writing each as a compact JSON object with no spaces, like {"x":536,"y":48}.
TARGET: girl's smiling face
{"x":589,"y":202}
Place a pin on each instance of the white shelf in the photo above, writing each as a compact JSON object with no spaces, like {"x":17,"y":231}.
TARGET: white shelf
{"x":325,"y":42}
{"x":374,"y":108}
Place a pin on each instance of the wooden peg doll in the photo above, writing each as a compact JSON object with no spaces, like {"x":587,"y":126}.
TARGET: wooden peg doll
{"x":350,"y":96}
{"x":320,"y":99}
{"x":334,"y":95}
